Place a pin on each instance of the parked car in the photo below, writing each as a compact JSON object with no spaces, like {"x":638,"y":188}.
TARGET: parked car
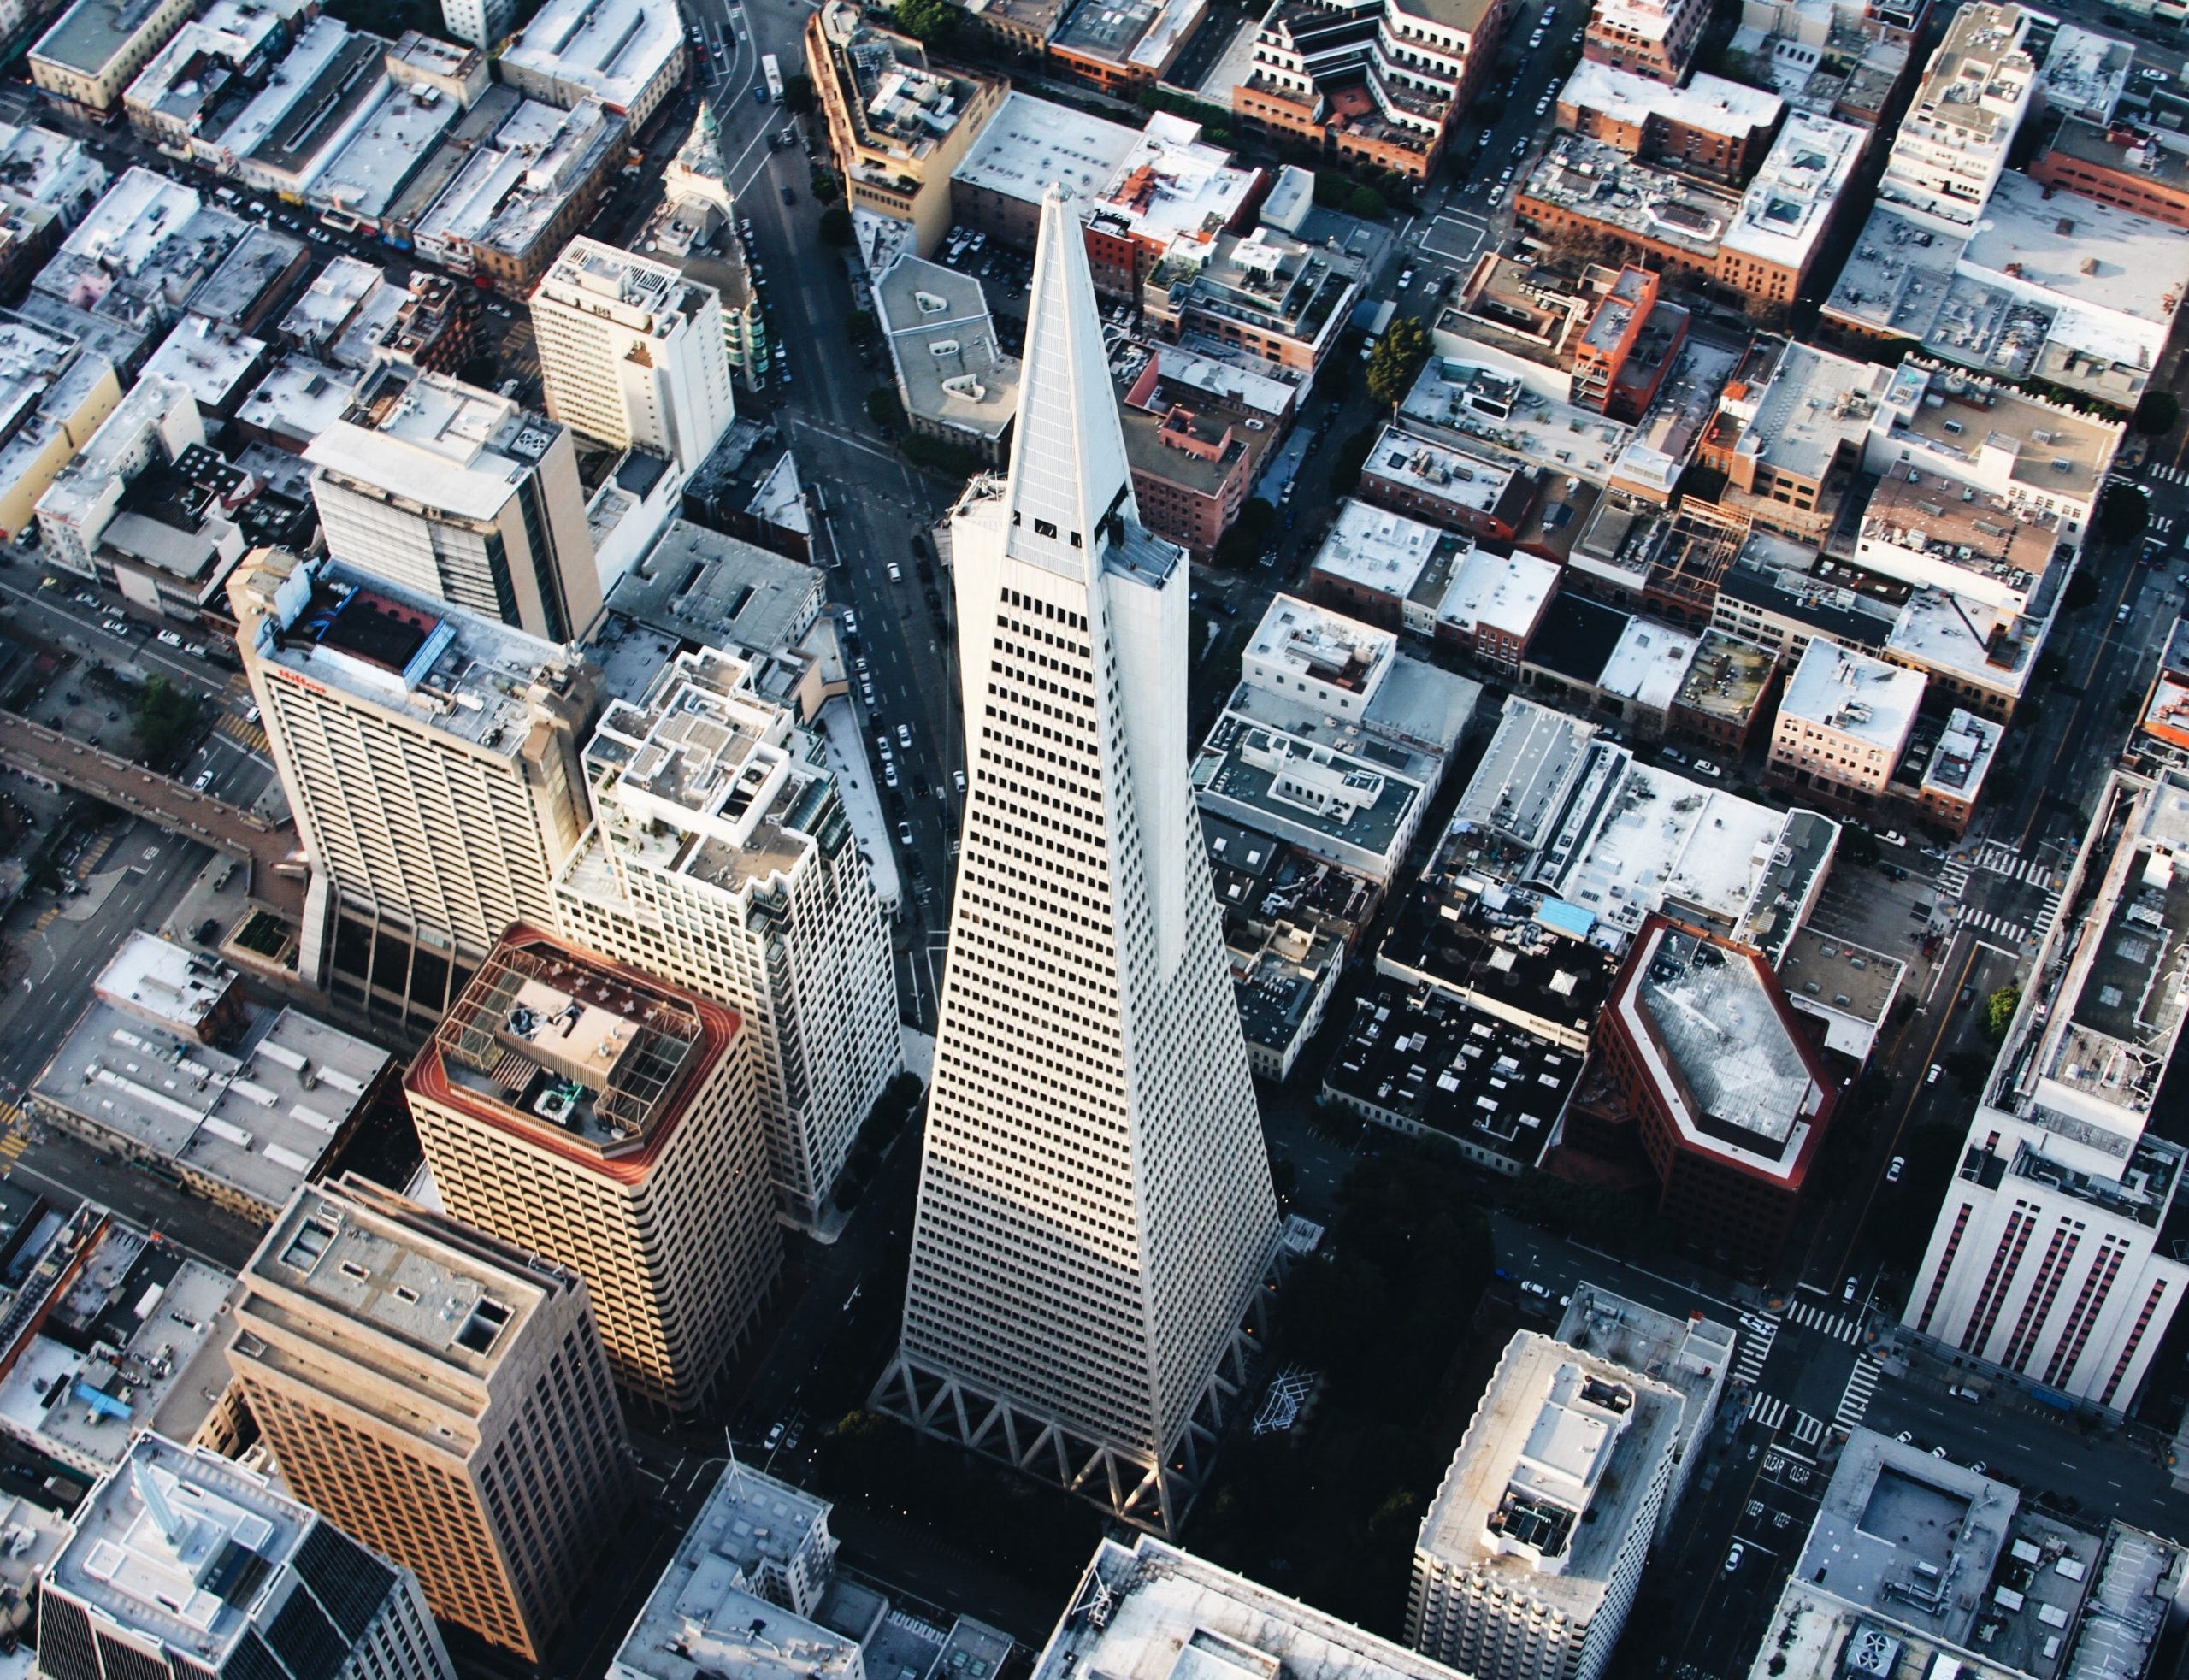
{"x":168,"y":639}
{"x":1703,"y":767}
{"x":896,"y":573}
{"x":904,"y":833}
{"x":958,"y":780}
{"x":1733,"y":1558}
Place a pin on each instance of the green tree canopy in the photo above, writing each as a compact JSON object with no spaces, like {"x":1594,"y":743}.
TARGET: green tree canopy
{"x":836,"y":226}
{"x":2122,"y":512}
{"x":884,"y":409}
{"x":798,"y":94}
{"x":1365,"y":203}
{"x":1240,"y":544}
{"x":1397,"y":360}
{"x":1999,"y":1012}
{"x":2156,"y":413}
{"x":934,"y":22}
{"x":166,"y":718}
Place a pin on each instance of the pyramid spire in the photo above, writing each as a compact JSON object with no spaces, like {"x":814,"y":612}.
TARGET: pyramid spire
{"x":1069,"y":478}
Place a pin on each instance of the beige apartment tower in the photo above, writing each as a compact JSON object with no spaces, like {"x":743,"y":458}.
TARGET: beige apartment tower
{"x":443,"y":1396}
{"x":1095,"y":1216}
{"x":431,"y":758}
{"x":611,"y":1122}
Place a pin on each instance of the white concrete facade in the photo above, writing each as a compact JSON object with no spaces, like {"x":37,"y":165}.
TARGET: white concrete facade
{"x":2053,"y":1256}
{"x":721,"y":857}
{"x":632,"y":352}
{"x":1096,"y":1214}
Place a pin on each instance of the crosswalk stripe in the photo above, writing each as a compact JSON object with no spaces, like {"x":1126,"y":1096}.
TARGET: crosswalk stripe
{"x":1809,"y":1430}
{"x":1768,"y":1410}
{"x":1854,"y":1401}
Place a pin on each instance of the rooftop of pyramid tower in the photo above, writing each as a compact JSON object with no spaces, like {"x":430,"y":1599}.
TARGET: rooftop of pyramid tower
{"x":1070,"y":492}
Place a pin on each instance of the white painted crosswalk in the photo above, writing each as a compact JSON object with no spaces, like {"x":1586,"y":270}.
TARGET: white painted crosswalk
{"x":1768,"y":1410}
{"x":2006,"y":861}
{"x":1953,"y":879}
{"x":2047,"y":915}
{"x":1841,"y":1326}
{"x":1757,"y":1333}
{"x":1808,"y":1430}
{"x":1855,"y":1402}
{"x":1997,"y":926}
{"x":2167,"y":474}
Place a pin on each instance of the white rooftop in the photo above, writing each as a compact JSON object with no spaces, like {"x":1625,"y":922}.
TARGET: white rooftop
{"x":1298,"y":642}
{"x":139,"y":213}
{"x":1718,"y":1052}
{"x":1498,"y":592}
{"x":1172,"y":185}
{"x":613,"y":48}
{"x":1784,"y":212}
{"x":1166,"y":1615}
{"x":365,"y":176}
{"x":1954,"y":633}
{"x":1555,"y":1471}
{"x":1378,"y":550}
{"x":1852,"y":694}
{"x":213,"y":361}
{"x":1437,"y":469}
{"x":1962,"y":755}
{"x":1030,"y":143}
{"x":2123,"y":273}
{"x":1708,"y":103}
{"x":325,"y":306}
{"x":443,"y":442}
{"x":1556,"y":437}
{"x":1649,"y":663}
{"x":158,"y":978}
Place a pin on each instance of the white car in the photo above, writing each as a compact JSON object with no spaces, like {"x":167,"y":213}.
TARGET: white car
{"x":204,"y":780}
{"x":888,"y":774}
{"x":1704,"y":767}
{"x":905,"y":736}
{"x":1898,"y":1165}
{"x":957,"y":779}
{"x":851,"y":624}
{"x":896,"y":573}
{"x":169,"y":637}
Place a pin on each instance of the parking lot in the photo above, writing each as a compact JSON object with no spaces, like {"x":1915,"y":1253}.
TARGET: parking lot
{"x":1870,"y":904}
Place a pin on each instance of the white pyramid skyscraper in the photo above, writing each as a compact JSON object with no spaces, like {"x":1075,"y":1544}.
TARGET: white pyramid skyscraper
{"x":1095,"y":1216}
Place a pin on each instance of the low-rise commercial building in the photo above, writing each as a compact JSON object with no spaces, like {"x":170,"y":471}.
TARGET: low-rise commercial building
{"x":1266,"y":296}
{"x":1195,"y":445}
{"x":54,"y":396}
{"x":1410,"y":474}
{"x":1756,"y":247}
{"x":1531,"y":1552}
{"x":1950,"y":149}
{"x":2122,"y":167}
{"x":1495,"y":604}
{"x":1420,"y":1061}
{"x":996,"y":187}
{"x":1727,"y":689}
{"x":213,"y":63}
{"x":1791,"y":431}
{"x":96,"y":48}
{"x":1119,"y":49}
{"x":242,"y":1123}
{"x":516,"y":199}
{"x":1711,"y":127}
{"x":1385,"y":568}
{"x":956,"y":382}
{"x":1333,"y":741}
{"x":113,"y":1330}
{"x":1843,"y":723}
{"x":1654,"y":38}
{"x":624,"y":55}
{"x":898,"y":124}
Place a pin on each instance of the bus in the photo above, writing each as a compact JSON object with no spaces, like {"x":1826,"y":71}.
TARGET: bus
{"x":773,"y":71}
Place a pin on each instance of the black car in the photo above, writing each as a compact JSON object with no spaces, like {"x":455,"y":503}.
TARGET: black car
{"x":789,"y":198}
{"x":208,"y":930}
{"x":919,"y":787}
{"x":1968,"y":996}
{"x":1893,"y":871}
{"x":933,"y":601}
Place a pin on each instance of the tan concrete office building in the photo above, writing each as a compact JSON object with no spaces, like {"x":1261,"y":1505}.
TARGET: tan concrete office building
{"x":441,"y":1394}
{"x":611,"y":1122}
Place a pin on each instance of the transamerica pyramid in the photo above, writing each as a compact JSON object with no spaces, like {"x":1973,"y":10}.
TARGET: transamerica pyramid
{"x":1095,"y":1217}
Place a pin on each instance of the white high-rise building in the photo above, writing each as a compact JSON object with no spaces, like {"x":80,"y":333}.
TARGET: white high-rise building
{"x":2054,"y":1260}
{"x":721,"y":857}
{"x":479,"y":23}
{"x":1530,"y":1554}
{"x":1095,"y":1216}
{"x":632,"y":352}
{"x":454,"y":492}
